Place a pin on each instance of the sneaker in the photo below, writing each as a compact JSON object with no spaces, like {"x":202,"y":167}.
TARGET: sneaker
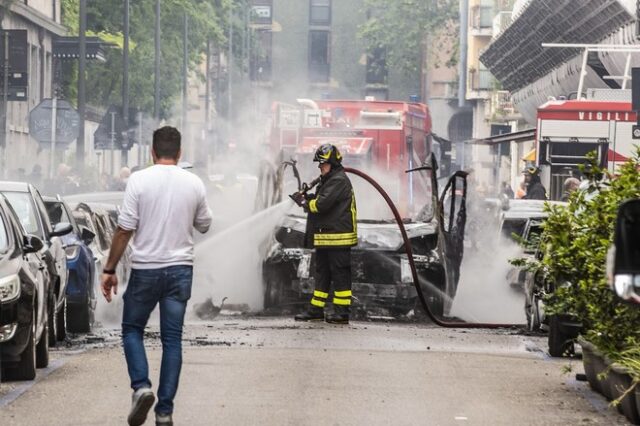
{"x":311,"y":314}
{"x":164,"y":420}
{"x":141,"y":402}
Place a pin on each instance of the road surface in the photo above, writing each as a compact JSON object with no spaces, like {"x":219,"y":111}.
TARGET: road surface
{"x":272,"y":371}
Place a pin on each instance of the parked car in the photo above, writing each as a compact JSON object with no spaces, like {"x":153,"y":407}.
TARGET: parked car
{"x":82,"y":272}
{"x":32,"y":213}
{"x":101,"y":219}
{"x":24,"y":282}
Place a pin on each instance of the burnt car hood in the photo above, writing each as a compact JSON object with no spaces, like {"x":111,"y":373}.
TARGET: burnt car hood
{"x":373,"y":235}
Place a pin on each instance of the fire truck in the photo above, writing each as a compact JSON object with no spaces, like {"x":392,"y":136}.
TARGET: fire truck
{"x":567,"y":130}
{"x":391,"y":137}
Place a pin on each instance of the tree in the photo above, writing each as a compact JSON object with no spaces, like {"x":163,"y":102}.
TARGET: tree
{"x":207,"y":19}
{"x":403,"y":27}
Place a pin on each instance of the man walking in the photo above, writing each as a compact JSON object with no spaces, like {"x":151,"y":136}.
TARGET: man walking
{"x":162,"y":204}
{"x":332,"y":230}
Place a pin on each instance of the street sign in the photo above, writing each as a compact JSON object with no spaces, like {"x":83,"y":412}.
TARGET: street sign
{"x":111,"y":131}
{"x":67,"y":122}
{"x":636,"y":132}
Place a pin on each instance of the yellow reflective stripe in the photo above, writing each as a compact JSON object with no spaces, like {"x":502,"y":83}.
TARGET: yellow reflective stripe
{"x":345,"y":293}
{"x":331,"y":243}
{"x":321,"y":294}
{"x":354,"y":214}
{"x":342,"y":302}
{"x":318,"y":303}
{"x":313,"y":208}
{"x":335,"y":236}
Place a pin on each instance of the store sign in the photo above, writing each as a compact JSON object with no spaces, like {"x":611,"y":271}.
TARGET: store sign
{"x":262,"y":12}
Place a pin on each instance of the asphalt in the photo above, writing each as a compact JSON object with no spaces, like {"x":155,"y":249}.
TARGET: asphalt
{"x":273,"y":371}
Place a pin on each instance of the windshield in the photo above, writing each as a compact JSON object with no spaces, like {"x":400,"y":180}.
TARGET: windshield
{"x":25,"y":209}
{"x":4,"y":237}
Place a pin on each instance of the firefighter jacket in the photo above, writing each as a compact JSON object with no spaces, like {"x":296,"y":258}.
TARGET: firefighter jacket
{"x":332,"y":213}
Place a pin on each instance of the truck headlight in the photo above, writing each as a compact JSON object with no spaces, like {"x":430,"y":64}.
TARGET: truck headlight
{"x":72,"y":251}
{"x":9,"y":288}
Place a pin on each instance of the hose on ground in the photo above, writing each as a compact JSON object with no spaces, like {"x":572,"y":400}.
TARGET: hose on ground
{"x":412,"y":265}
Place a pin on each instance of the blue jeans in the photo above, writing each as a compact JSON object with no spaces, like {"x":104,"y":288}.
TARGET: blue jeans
{"x":171,"y":288}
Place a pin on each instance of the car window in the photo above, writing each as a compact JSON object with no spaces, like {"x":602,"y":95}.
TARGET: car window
{"x":103,"y":234}
{"x":55,"y":211}
{"x":511,"y":227}
{"x":4,"y":236}
{"x":48,"y":228}
{"x":26,"y":211}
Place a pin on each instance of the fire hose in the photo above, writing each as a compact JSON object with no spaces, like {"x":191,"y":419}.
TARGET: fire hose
{"x":412,"y":265}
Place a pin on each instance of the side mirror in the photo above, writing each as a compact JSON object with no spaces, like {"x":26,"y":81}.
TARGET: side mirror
{"x":60,"y":229}
{"x":32,"y":244}
{"x":623,"y":258}
{"x":86,"y":235}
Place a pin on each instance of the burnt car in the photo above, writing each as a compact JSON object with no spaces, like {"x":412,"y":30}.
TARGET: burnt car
{"x":32,"y":213}
{"x":81,"y":287}
{"x":24,"y":282}
{"x":382,"y":279}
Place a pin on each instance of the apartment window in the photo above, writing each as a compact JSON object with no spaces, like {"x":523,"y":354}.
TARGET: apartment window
{"x":377,"y":71}
{"x":320,"y":12}
{"x":319,"y":56}
{"x":261,"y":12}
{"x":260,"y":64}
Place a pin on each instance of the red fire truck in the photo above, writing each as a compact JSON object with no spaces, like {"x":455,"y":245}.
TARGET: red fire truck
{"x":390,"y":137}
{"x":567,"y":130}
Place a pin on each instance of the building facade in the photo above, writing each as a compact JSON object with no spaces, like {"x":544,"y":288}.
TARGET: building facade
{"x":41,"y":19}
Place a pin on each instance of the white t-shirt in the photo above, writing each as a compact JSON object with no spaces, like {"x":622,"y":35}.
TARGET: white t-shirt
{"x":163,"y":204}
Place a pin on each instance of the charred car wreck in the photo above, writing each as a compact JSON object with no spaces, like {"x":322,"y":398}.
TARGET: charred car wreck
{"x":382,"y":279}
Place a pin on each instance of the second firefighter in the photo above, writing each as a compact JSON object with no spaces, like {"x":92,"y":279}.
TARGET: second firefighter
{"x":332,"y":231}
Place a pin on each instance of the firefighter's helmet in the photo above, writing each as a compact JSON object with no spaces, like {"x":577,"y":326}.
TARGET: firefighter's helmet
{"x":328,"y":153}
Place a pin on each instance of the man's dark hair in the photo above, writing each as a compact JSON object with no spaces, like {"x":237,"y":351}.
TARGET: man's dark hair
{"x":166,"y":142}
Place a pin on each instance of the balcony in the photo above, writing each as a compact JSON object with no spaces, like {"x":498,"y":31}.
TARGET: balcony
{"x":480,"y":81}
{"x":481,"y":21}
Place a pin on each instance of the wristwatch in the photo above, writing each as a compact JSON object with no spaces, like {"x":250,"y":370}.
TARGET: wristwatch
{"x":109,"y":271}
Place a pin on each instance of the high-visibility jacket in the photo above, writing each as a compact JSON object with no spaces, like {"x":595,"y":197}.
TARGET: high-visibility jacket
{"x":332,"y":213}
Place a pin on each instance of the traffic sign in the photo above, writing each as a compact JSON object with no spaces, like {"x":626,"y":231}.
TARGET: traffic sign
{"x":111,"y":131}
{"x":67,"y":122}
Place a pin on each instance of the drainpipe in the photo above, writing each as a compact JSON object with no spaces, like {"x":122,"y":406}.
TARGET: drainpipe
{"x":462,"y":73}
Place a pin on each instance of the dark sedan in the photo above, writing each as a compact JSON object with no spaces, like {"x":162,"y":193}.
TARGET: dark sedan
{"x":24,"y":342}
{"x":32,"y":214}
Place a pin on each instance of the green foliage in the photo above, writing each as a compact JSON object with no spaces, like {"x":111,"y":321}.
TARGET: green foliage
{"x":402,"y":28}
{"x":575,"y":244}
{"x":207,"y":19}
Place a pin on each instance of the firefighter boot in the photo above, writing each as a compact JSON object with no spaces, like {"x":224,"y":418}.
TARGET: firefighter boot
{"x":340,"y":315}
{"x":312,"y":313}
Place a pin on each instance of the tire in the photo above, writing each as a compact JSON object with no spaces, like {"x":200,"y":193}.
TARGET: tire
{"x":42,"y":348}
{"x":79,"y":317}
{"x":25,"y":369}
{"x":560,"y":344}
{"x":532,"y":311}
{"x":62,"y":321}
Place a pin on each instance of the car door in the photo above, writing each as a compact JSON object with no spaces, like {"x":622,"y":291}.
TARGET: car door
{"x":55,"y":243}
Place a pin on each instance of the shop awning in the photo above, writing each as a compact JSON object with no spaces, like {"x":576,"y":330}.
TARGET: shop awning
{"x":614,"y":157}
{"x":352,"y":146}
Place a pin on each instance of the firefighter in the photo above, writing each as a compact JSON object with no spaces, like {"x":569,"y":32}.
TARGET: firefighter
{"x":535,"y":189}
{"x":332,"y":231}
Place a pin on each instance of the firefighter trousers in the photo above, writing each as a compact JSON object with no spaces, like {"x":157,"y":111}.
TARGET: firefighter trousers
{"x":333,"y":271}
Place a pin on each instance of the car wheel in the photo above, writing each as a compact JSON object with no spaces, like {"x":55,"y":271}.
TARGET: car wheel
{"x":560,"y":344}
{"x":52,"y":320}
{"x":79,"y":318}
{"x":62,"y":321}
{"x":25,"y":369}
{"x":42,"y":348}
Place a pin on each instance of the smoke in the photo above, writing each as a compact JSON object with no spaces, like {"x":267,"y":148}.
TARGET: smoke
{"x":484,"y":293}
